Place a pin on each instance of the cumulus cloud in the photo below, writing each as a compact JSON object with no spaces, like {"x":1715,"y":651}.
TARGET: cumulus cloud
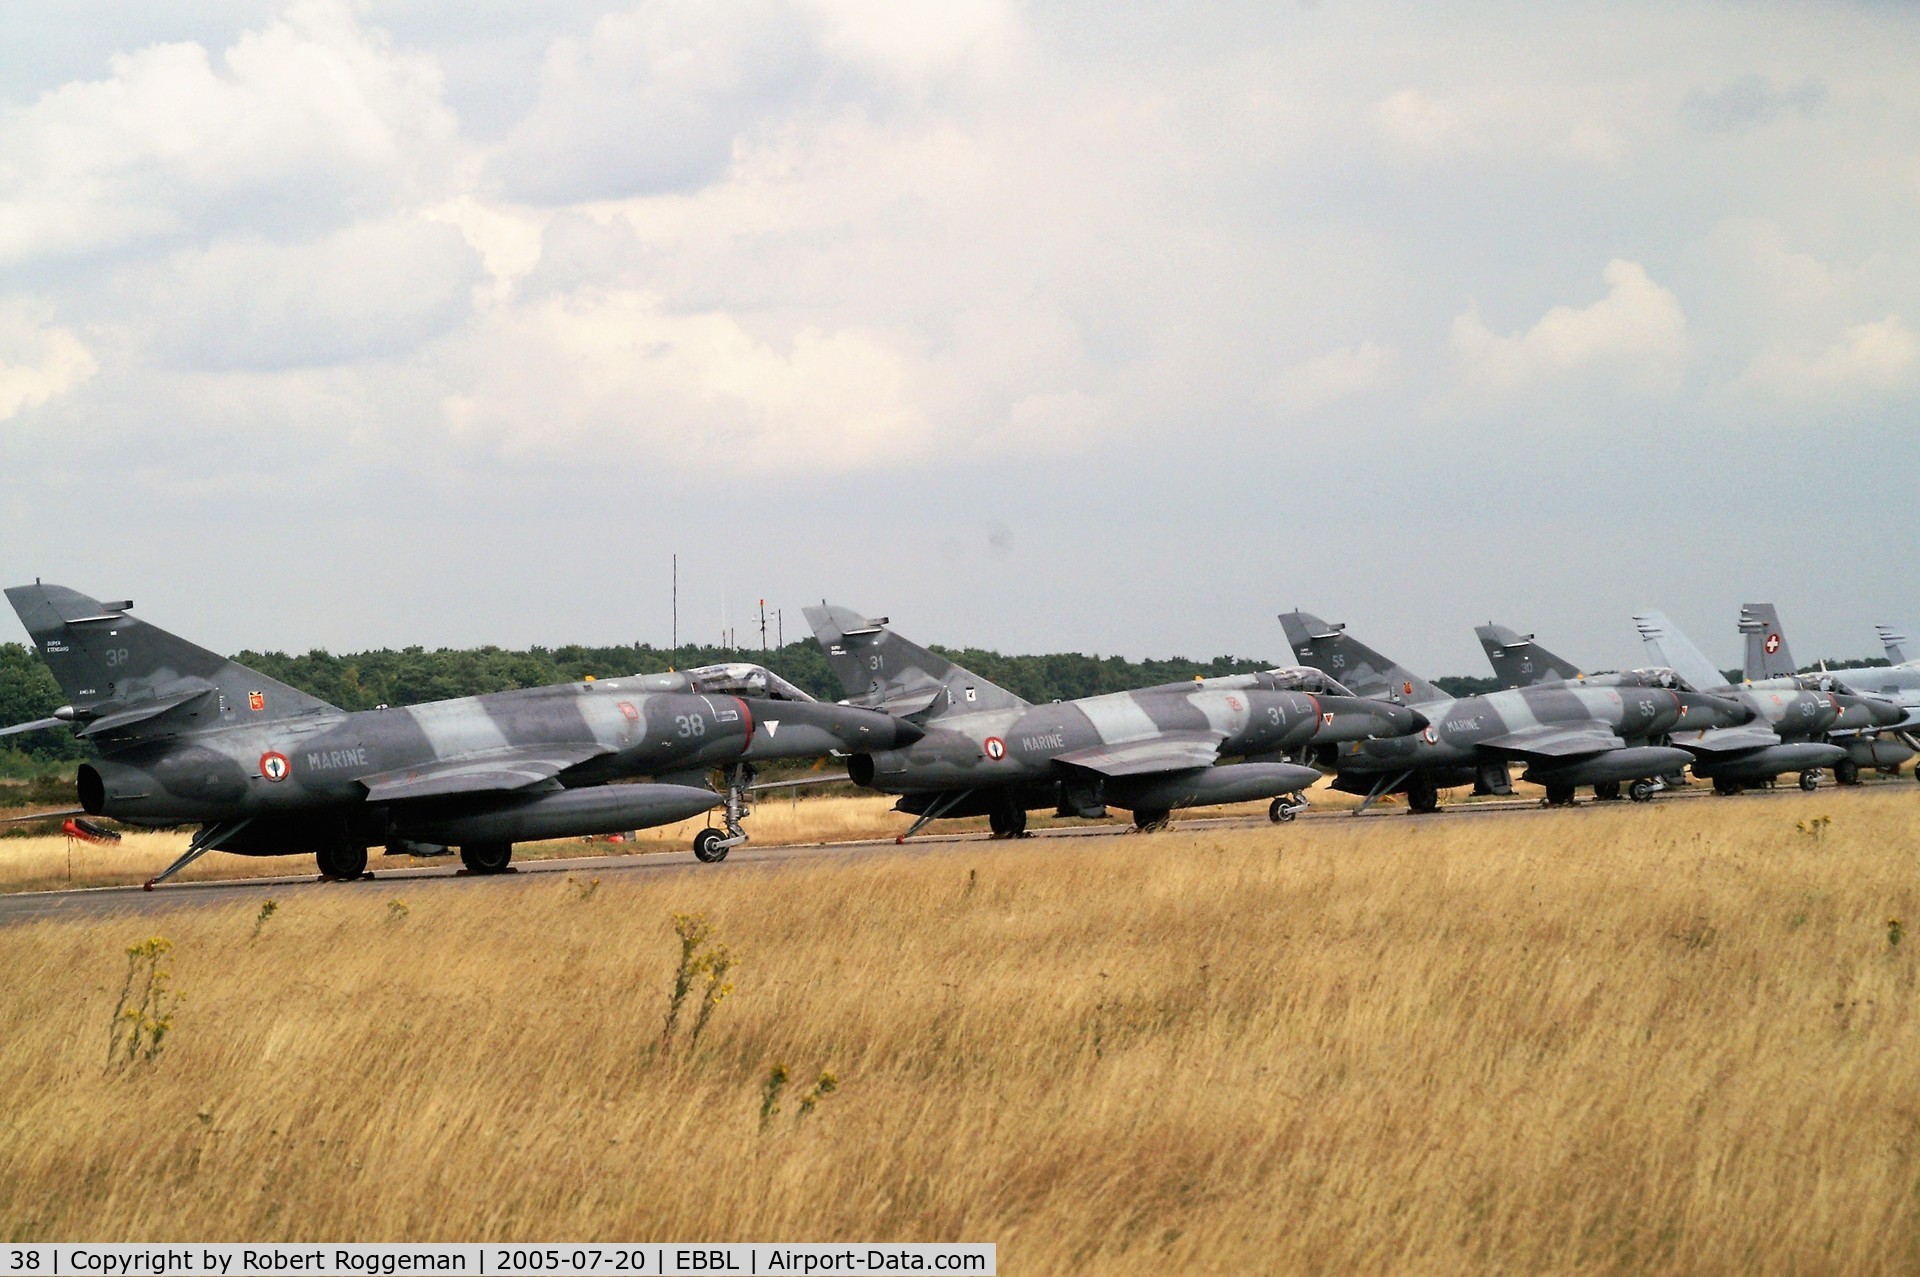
{"x":1874,"y":358}
{"x":653,"y":99}
{"x":306,"y":122}
{"x":38,"y":361}
{"x":615,"y":373}
{"x":371,"y":291}
{"x":1637,"y":334}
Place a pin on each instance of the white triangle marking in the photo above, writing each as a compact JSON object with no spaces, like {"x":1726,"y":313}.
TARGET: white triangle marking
{"x":773,"y":726}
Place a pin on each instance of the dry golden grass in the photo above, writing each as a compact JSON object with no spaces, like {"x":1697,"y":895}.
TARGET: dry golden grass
{"x":1674,"y":1039}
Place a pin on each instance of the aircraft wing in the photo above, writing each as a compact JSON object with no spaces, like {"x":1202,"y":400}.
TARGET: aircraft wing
{"x":1727,"y":740}
{"x":499,"y":771}
{"x":1175,"y":751}
{"x":1556,"y":740}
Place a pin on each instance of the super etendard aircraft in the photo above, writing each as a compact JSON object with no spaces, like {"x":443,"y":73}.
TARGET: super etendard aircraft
{"x":186,"y":736}
{"x":1567,"y":735}
{"x":987,"y":752}
{"x":1784,"y":730}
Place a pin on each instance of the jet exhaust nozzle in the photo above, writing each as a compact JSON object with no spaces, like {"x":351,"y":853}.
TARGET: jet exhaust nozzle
{"x":1699,"y":711}
{"x":810,"y":729}
{"x":1362,"y":718}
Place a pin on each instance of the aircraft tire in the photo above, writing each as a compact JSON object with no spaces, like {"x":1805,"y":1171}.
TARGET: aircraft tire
{"x":1607,"y":791}
{"x":1280,"y":810}
{"x":1724,"y":785}
{"x":1149,"y":819}
{"x":1560,"y":794}
{"x":1846,"y":772}
{"x":1017,"y":823}
{"x":705,"y":848}
{"x":1422,"y":796}
{"x":487,"y":857}
{"x":1640,"y":791}
{"x":342,"y":863}
{"x":1810,"y":779}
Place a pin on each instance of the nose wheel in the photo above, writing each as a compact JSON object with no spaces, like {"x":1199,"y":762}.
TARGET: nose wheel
{"x":710,"y":845}
{"x":1284,"y":808}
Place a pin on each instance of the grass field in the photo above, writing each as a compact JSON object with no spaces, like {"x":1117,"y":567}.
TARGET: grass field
{"x":1673,"y":1039}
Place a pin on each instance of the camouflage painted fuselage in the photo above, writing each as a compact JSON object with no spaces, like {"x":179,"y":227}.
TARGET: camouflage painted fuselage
{"x":570,"y":735}
{"x":1033,"y":746}
{"x":1469,"y":732}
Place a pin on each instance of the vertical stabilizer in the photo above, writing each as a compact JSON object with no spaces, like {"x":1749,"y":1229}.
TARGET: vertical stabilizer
{"x":1669,"y":647}
{"x":125,"y":677}
{"x":880,"y":670}
{"x":1894,"y":640}
{"x":1518,"y":661}
{"x":1331,"y":650}
{"x":1767,"y":654}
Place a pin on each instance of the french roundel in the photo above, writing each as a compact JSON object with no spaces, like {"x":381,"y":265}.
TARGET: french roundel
{"x":995,"y":747}
{"x":1430,"y":736}
{"x":274,"y":765}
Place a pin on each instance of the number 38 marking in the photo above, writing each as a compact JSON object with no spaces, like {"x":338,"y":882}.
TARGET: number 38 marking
{"x":686,"y":725}
{"x":115,"y":656}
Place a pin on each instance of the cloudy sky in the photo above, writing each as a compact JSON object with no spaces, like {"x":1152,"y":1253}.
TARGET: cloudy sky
{"x":1084,"y":326}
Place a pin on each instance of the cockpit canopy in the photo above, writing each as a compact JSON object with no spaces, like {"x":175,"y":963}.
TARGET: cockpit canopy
{"x":735,"y":678}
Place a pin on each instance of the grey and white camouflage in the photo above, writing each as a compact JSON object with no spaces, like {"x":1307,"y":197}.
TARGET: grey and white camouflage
{"x":186,"y":736}
{"x":988,"y":752}
{"x":1566,"y":734}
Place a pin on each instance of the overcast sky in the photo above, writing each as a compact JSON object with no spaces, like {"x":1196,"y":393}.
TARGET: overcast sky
{"x":1092,"y":327}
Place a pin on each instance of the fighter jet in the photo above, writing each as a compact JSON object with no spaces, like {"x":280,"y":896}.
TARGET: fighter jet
{"x":1789,"y":730}
{"x":1864,"y":732}
{"x":1566,"y":735}
{"x":186,"y":736}
{"x":1732,"y":757}
{"x":988,"y":752}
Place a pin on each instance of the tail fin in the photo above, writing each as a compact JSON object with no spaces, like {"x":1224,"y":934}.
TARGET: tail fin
{"x":1331,"y":650}
{"x":1669,"y":647}
{"x":1518,"y":661}
{"x":1891,"y":639}
{"x":880,"y":670}
{"x":1767,"y":654}
{"x":126,"y":678}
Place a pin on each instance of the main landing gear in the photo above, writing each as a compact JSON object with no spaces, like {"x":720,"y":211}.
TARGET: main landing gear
{"x":487,"y":857}
{"x":1641,"y":791}
{"x":1810,"y":779}
{"x":342,"y":862}
{"x":1559,"y":794}
{"x":1008,"y":822}
{"x":710,"y":845}
{"x":1147,"y":820}
{"x":1422,"y":795}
